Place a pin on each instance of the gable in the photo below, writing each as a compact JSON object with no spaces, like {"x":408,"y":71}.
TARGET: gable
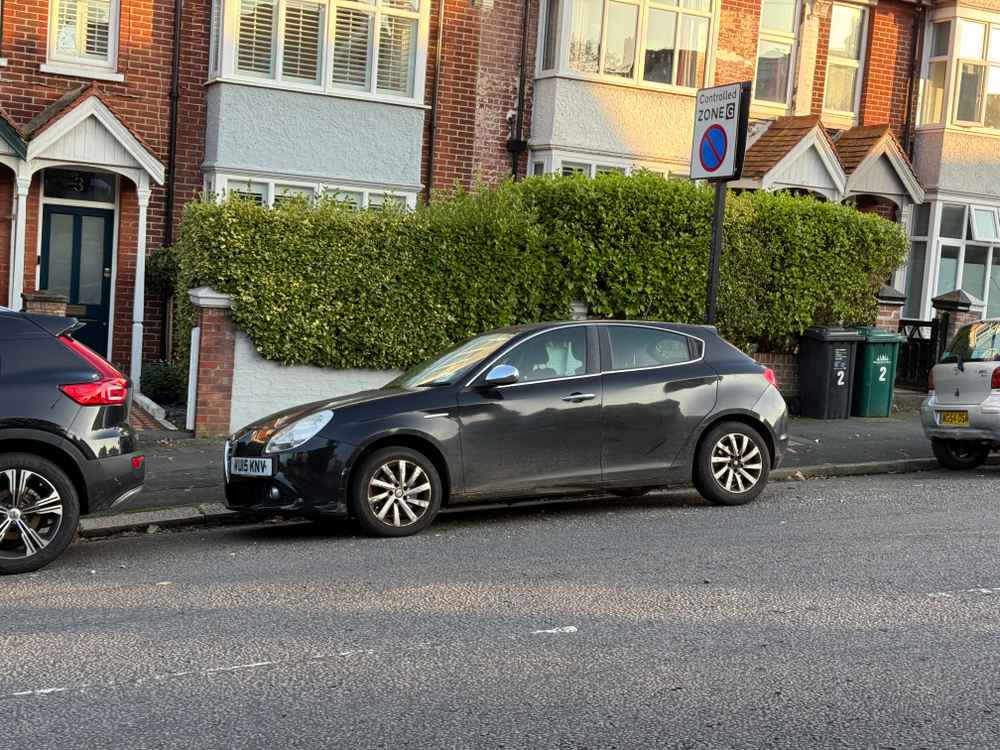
{"x":878,"y":177}
{"x":90,"y":142}
{"x":807,"y":170}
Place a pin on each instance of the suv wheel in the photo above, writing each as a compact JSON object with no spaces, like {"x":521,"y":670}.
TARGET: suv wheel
{"x":959,"y":454}
{"x":732,"y":465}
{"x":396,"y":492}
{"x":39,"y":512}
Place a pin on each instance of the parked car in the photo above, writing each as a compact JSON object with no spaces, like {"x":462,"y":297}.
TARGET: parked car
{"x":522,"y":412}
{"x":961,"y":414}
{"x":66,"y":448}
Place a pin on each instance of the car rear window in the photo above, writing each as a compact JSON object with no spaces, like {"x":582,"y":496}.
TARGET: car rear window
{"x":634,"y":347}
{"x":977,"y":342}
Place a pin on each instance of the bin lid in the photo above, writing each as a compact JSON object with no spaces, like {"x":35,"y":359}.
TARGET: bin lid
{"x":875,"y":335}
{"x":832,"y":333}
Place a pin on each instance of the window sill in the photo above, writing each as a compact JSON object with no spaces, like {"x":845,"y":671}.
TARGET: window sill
{"x":839,"y":120}
{"x":398,"y":101}
{"x":81,"y":71}
{"x":659,"y":88}
{"x":768,"y":110}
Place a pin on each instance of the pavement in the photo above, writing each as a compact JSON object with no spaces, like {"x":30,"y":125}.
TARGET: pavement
{"x":853,"y":612}
{"x":184,"y":475}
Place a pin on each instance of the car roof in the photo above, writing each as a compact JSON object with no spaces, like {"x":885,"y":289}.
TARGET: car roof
{"x":688,"y":328}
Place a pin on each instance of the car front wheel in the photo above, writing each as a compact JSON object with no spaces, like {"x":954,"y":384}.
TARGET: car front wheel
{"x":959,"y":454}
{"x":396,"y":492}
{"x":732,"y":465}
{"x":39,"y":512}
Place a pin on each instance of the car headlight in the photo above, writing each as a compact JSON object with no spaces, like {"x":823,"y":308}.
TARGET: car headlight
{"x":298,"y":432}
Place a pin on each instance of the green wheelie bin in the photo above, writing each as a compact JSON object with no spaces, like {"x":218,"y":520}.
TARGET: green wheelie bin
{"x":875,"y":373}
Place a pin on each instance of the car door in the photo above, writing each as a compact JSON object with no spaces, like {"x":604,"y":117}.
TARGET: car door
{"x":541,"y":434}
{"x":657,"y":390}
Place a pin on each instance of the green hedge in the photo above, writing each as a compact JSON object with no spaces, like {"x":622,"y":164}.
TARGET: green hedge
{"x":323,"y":285}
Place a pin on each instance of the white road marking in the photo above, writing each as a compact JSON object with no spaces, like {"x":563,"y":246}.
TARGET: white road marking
{"x":959,"y":592}
{"x":556,"y":631}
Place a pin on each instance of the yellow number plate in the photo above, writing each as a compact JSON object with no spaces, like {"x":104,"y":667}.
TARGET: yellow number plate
{"x":955,"y":418}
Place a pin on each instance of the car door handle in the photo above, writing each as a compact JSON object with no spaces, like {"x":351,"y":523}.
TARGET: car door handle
{"x":576,"y":398}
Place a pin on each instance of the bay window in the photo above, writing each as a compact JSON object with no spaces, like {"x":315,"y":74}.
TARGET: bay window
{"x":846,"y":56}
{"x":372,"y":48}
{"x":83,"y":32}
{"x":273,"y":192}
{"x":978,"y":52}
{"x":937,"y":74}
{"x":656,"y":42}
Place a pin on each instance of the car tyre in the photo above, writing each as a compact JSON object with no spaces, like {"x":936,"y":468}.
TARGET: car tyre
{"x":396,"y":491}
{"x":732,"y":465}
{"x":959,"y":455}
{"x":39,"y":512}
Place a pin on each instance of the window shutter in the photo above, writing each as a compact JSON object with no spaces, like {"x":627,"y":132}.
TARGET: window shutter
{"x":351,"y":40}
{"x":303,"y":40}
{"x":256,"y":37}
{"x":215,"y":55}
{"x":98,"y":28}
{"x":397,"y":44}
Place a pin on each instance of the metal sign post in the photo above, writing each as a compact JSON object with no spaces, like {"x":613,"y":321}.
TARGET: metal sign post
{"x":720,"y":136}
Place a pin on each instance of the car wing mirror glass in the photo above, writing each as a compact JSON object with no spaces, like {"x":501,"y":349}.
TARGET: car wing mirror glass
{"x":502,"y":375}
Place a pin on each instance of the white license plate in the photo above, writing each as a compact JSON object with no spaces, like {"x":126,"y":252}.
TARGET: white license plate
{"x":250,"y":467}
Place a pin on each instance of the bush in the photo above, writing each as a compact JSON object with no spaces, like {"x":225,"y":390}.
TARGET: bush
{"x":323,"y":285}
{"x":164,"y":382}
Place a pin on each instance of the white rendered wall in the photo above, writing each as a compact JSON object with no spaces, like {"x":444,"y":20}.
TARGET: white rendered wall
{"x":261,"y":387}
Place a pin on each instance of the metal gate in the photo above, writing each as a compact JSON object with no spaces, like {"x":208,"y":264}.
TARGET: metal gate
{"x":923,"y":348}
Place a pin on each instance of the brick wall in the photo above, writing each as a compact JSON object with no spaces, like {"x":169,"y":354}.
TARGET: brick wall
{"x":479,"y":79}
{"x":786,"y":370}
{"x":889,"y":314}
{"x":31,"y":233}
{"x":128,"y":237}
{"x":822,"y":9}
{"x":739,"y":24}
{"x":887,"y":68}
{"x":215,"y":372}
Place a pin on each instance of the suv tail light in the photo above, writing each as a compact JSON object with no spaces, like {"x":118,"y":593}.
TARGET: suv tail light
{"x":771,"y":378}
{"x":995,"y":379}
{"x":111,"y":387}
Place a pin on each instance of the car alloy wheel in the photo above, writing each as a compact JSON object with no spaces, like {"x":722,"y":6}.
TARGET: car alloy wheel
{"x":31,"y":513}
{"x":399,"y":493}
{"x":737,"y":464}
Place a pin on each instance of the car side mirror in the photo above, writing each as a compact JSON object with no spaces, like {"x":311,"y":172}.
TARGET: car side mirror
{"x":502,"y":375}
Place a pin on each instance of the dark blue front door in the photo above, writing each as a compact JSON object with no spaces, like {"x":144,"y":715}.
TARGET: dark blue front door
{"x":77,"y":245}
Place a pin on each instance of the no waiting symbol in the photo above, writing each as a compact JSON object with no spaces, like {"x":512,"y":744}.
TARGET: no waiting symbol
{"x":712,"y":151}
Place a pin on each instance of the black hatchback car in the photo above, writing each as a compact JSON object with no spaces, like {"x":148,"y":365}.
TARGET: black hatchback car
{"x":66,"y":448}
{"x":522,"y":412}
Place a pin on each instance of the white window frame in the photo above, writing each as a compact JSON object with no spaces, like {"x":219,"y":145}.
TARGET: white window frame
{"x":552,"y":163}
{"x":227,"y":60}
{"x":562,"y":68}
{"x":82,"y":65}
{"x":779,"y":37}
{"x":984,"y":62}
{"x":849,"y":62}
{"x":220,"y":183}
{"x":926,"y":71}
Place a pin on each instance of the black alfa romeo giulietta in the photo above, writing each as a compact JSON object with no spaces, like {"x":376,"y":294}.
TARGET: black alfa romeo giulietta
{"x":552,"y":409}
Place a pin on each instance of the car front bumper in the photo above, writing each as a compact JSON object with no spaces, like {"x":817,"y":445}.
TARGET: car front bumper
{"x":984,"y":420}
{"x":310,"y":481}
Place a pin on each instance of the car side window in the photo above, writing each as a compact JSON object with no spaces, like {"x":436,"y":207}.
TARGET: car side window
{"x":561,"y":353}
{"x":632,"y":347}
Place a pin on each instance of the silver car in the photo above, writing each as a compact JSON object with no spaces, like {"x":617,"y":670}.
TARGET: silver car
{"x":961,"y":414}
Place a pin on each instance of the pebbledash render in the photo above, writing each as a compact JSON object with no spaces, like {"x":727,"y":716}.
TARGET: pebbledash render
{"x":116,"y":113}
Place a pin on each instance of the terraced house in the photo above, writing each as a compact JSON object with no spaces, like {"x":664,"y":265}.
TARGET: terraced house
{"x":116,"y":113}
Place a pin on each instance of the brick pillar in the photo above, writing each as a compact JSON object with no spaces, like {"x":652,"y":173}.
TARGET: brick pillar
{"x":959,"y":308}
{"x":45,"y":303}
{"x":890,"y":309}
{"x":213,"y":368}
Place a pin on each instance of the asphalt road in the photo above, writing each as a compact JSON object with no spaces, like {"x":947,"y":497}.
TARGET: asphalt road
{"x":849,"y":613}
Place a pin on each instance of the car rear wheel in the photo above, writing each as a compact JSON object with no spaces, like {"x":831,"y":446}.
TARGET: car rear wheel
{"x":39,"y":512}
{"x":396,"y":492}
{"x":959,"y":454}
{"x":732,"y":465}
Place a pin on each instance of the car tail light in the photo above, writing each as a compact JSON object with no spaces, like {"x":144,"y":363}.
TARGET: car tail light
{"x":111,"y":387}
{"x":995,"y":379}
{"x":770,"y":377}
{"x":138,"y":461}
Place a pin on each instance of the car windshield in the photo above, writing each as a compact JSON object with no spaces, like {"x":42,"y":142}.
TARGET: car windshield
{"x":978,"y":342}
{"x":446,"y":368}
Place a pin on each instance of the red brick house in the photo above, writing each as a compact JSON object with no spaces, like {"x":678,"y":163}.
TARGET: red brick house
{"x":101,"y":139}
